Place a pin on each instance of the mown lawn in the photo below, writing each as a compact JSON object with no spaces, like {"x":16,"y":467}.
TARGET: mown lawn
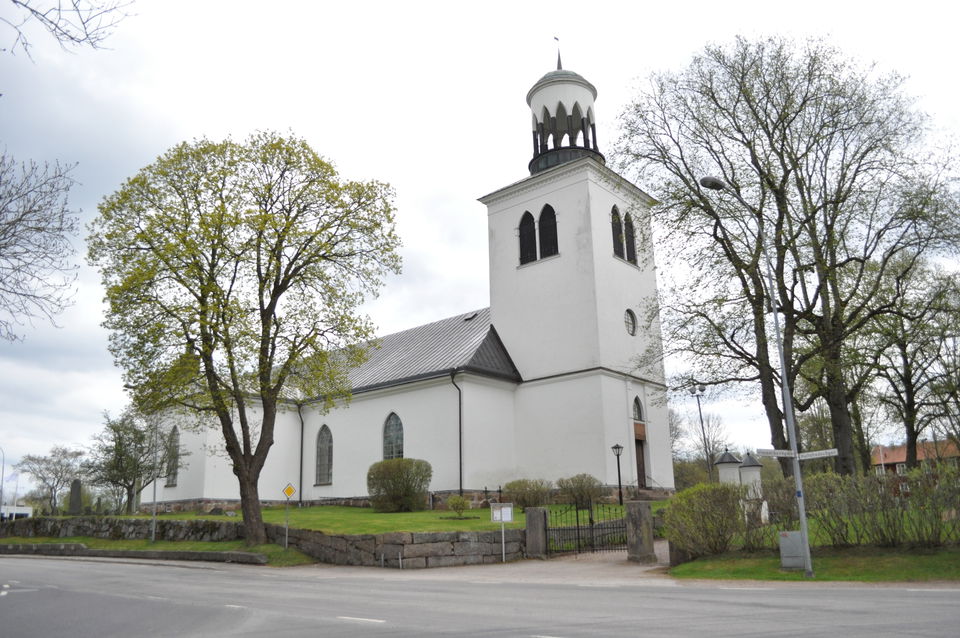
{"x":276,"y":555}
{"x":334,"y":519}
{"x":860,"y":564}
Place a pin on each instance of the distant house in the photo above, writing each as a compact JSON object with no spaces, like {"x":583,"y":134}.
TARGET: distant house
{"x":892,"y":459}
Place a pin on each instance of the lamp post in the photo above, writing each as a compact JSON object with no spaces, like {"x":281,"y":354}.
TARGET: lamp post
{"x":617,"y":451}
{"x":716,"y":184}
{"x":3,"y":477}
{"x":697,"y":392}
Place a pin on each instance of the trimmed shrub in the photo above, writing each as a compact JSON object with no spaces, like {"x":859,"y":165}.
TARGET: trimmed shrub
{"x":705,"y":519}
{"x":526,"y":493}
{"x":582,"y":489}
{"x":399,"y":485}
{"x":833,"y":501}
{"x":931,"y":507}
{"x":458,"y":504}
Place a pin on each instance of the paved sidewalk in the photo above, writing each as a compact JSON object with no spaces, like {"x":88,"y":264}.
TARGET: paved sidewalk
{"x":605,"y":569}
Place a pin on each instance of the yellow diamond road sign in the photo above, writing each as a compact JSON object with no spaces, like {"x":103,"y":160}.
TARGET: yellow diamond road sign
{"x":289,"y":490}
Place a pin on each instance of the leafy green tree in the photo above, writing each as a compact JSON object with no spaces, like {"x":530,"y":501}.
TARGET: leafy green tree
{"x":234,"y":273}
{"x":912,"y":365}
{"x":128,"y":454}
{"x":53,"y":472}
{"x":823,"y":159}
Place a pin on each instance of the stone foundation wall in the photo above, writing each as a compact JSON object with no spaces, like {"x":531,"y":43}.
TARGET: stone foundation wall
{"x":400,"y":549}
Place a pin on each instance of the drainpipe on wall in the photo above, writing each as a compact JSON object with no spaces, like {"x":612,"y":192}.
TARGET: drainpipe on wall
{"x":453,"y":373}
{"x":300,"y":482}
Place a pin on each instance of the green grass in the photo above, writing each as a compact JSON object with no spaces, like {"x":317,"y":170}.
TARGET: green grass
{"x":276,"y":555}
{"x":859,"y":564}
{"x":334,"y":519}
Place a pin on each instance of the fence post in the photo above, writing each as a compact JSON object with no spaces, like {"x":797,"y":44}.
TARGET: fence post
{"x":640,"y":532}
{"x":536,"y":532}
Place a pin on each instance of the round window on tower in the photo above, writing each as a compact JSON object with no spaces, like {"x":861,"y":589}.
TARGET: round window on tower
{"x":630,"y":321}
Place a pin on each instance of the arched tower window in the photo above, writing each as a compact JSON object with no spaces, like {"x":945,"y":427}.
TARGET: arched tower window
{"x":630,"y":239}
{"x":324,"y":457}
{"x":637,"y":409}
{"x":173,"y":456}
{"x":528,"y":239}
{"x":548,"y":232}
{"x":392,"y":438}
{"x":617,"y":228}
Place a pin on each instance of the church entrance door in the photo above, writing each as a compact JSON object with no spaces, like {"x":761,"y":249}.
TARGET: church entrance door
{"x":641,"y":468}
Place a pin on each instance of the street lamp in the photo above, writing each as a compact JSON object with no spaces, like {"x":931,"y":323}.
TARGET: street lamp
{"x":617,"y":451}
{"x":3,"y":471}
{"x":716,"y":184}
{"x":697,"y":391}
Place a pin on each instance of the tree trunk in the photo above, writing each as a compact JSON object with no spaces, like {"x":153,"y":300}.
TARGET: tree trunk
{"x":768,"y":388}
{"x":840,"y":419}
{"x":254,"y":531}
{"x":131,"y":495}
{"x":861,"y":445}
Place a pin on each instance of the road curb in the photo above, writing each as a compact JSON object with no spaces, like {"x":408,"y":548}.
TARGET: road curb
{"x":79,"y":549}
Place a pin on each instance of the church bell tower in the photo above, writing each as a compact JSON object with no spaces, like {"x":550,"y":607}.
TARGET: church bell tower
{"x":571,"y":283}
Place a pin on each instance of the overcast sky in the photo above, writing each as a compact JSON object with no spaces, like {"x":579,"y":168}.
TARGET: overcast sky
{"x":429,"y":97}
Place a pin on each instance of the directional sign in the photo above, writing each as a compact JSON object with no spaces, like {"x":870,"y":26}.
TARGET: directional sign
{"x":289,"y":490}
{"x":817,"y":454}
{"x":785,"y":453}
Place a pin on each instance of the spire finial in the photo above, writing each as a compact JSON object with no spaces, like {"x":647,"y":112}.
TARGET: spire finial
{"x":559,"y":66}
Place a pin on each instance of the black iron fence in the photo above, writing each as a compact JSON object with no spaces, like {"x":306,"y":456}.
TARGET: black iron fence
{"x":589,"y":528}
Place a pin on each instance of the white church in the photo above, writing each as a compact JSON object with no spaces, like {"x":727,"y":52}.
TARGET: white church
{"x":542,"y":384}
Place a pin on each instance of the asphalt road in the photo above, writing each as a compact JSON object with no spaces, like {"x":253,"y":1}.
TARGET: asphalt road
{"x":45,"y":597}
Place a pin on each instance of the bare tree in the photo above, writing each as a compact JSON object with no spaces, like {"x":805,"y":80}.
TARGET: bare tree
{"x":823,"y":160}
{"x":53,"y":472}
{"x":73,"y":23}
{"x":36,"y":224}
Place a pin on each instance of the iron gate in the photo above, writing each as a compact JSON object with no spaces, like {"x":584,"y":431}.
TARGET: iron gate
{"x":592,"y":528}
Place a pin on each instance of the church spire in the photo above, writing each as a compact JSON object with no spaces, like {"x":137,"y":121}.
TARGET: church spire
{"x":564,"y":128}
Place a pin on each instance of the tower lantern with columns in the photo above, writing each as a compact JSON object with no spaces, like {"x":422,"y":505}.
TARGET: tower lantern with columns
{"x":564,"y":127}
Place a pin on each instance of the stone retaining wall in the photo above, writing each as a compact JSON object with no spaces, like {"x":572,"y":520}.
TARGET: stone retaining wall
{"x":408,"y":550}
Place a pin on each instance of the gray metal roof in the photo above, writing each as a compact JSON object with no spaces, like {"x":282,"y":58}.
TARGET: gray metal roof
{"x":467,"y":342}
{"x":727,"y":457}
{"x":750,"y":461}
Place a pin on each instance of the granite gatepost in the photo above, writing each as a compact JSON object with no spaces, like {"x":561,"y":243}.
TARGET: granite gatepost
{"x":640,"y":532}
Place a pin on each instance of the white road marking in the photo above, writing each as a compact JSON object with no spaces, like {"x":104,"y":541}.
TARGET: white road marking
{"x":235,"y":606}
{"x":360,"y":619}
{"x":6,"y":586}
{"x":3,"y":593}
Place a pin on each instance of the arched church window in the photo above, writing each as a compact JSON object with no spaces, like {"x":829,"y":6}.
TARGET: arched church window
{"x":617,"y":228}
{"x":392,"y":438}
{"x":173,"y":456}
{"x":528,"y":239}
{"x":631,"y":242}
{"x":637,"y":409}
{"x":324,"y":457}
{"x":548,"y":232}
{"x":630,"y":322}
